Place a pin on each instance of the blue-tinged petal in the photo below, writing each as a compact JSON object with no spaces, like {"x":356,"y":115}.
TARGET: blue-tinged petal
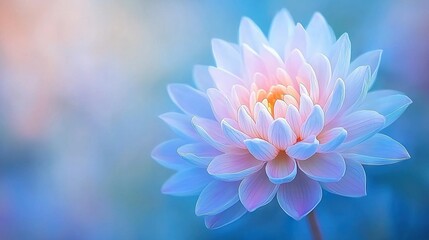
{"x":340,"y":57}
{"x":256,"y":191}
{"x":261,"y":149}
{"x":236,"y":136}
{"x":166,"y":155}
{"x":378,"y":150}
{"x":324,"y":167}
{"x":299,"y":40}
{"x":220,"y":105}
{"x":180,"y":124}
{"x":322,"y":68}
{"x":293,"y":62}
{"x":233,"y":167}
{"x":227,"y":56}
{"x":226,"y":217}
{"x":187,"y":182}
{"x":224,"y":80}
{"x":353,"y":183}
{"x":294,"y":119}
{"x":251,"y":34}
{"x":335,"y":101}
{"x":217,"y":197}
{"x":199,"y":154}
{"x":356,"y":88}
{"x":331,"y":139}
{"x":304,"y":149}
{"x":211,"y":132}
{"x":263,"y":120}
{"x":185,"y":98}
{"x":280,"y":134}
{"x":300,"y":196}
{"x":390,"y":104}
{"x":320,"y":34}
{"x":372,"y":59}
{"x":314,"y":123}
{"x":202,"y":78}
{"x":281,"y":30}
{"x":253,"y":63}
{"x":246,"y":123}
{"x":305,"y":105}
{"x":281,"y":169}
{"x":360,"y":125}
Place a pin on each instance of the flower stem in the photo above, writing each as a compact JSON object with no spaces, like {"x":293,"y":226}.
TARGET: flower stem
{"x":314,"y":226}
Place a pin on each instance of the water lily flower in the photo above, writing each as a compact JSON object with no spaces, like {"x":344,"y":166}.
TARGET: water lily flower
{"x":283,"y":117}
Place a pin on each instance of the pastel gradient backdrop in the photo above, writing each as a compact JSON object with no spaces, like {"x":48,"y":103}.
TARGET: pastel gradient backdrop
{"x":82,"y":84}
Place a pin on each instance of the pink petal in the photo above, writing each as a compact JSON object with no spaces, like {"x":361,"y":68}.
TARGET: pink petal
{"x":314,"y":123}
{"x":324,"y":167}
{"x":217,"y":197}
{"x":331,"y":139}
{"x":280,"y":134}
{"x":224,"y":80}
{"x":236,"y":136}
{"x":199,"y":154}
{"x":233,"y":167}
{"x":220,"y":104}
{"x":261,"y":149}
{"x":249,"y":33}
{"x":281,"y":30}
{"x":281,"y":169}
{"x":185,"y":98}
{"x":263,"y":120}
{"x":227,"y":56}
{"x":246,"y":123}
{"x":304,"y":149}
{"x":180,"y":124}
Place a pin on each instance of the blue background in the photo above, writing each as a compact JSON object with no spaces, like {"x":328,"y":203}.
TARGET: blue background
{"x":81,"y":86}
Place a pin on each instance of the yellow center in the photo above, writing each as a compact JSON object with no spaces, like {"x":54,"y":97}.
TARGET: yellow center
{"x":276,"y":92}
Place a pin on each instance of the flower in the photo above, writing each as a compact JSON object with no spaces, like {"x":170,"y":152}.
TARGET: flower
{"x":283,"y":116}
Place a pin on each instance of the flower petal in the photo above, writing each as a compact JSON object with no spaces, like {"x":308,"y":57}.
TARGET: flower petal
{"x":281,"y":169}
{"x":224,"y":80}
{"x":324,"y":167}
{"x":314,"y":123}
{"x":331,"y":139}
{"x":249,"y":33}
{"x":280,"y":134}
{"x":226,"y":217}
{"x":233,"y":167}
{"x":217,"y":197}
{"x":281,"y":30}
{"x":187,"y":182}
{"x":261,"y":149}
{"x":340,"y":57}
{"x":294,"y":119}
{"x":335,"y":101}
{"x":233,"y":134}
{"x":322,"y":68}
{"x":220,"y":104}
{"x":360,"y":125}
{"x":227,"y":56}
{"x":246,"y":123}
{"x":378,"y":150}
{"x":185,"y":98}
{"x":263,"y":120}
{"x":320,"y":34}
{"x":356,"y":88}
{"x":299,"y":40}
{"x":256,"y":191}
{"x":211,"y":132}
{"x":180,"y":124}
{"x":202,"y":78}
{"x":300,"y":196}
{"x":390,"y":104}
{"x":304,"y":149}
{"x":372,"y":59}
{"x":166,"y":155}
{"x":353,"y":183}
{"x":199,"y":154}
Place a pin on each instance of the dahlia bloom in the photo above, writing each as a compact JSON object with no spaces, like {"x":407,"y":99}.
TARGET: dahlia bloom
{"x":284,"y":116}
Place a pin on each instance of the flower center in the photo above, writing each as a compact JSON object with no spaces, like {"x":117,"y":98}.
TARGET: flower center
{"x":277,"y":92}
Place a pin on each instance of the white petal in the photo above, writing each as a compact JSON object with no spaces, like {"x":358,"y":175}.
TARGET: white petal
{"x":233,"y":167}
{"x":280,"y":134}
{"x":227,"y":56}
{"x":256,"y":191}
{"x":340,"y":57}
{"x":293,"y":63}
{"x":324,"y":167}
{"x":280,"y":108}
{"x":331,"y":139}
{"x":261,"y":149}
{"x":305,"y":105}
{"x":300,"y":196}
{"x":199,"y":154}
{"x":220,"y":105}
{"x":378,"y":150}
{"x":390,"y":104}
{"x":281,"y":169}
{"x":299,"y":40}
{"x":249,"y":33}
{"x":353,"y":183}
{"x":320,"y":34}
{"x":226,"y":217}
{"x":335,"y":101}
{"x":294,"y":119}
{"x":356,"y":88}
{"x":202,"y":78}
{"x":322,"y":68}
{"x":304,"y":149}
{"x":314,"y":123}
{"x":180,"y":124}
{"x":217,"y":197}
{"x":372,"y":59}
{"x":211,"y":132}
{"x":185,"y":98}
{"x":233,"y":134}
{"x":281,"y":30}
{"x":246,"y":123}
{"x":263,"y":120}
{"x":224,"y":80}
{"x":187,"y":182}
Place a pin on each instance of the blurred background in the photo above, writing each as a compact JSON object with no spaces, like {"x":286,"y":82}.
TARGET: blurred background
{"x":82,"y":83}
